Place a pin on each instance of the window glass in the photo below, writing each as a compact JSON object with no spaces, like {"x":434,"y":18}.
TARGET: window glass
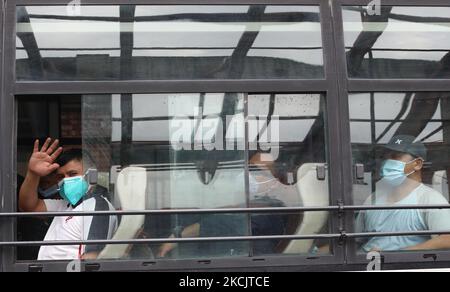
{"x":191,"y":155}
{"x":175,"y":152}
{"x":402,"y":141}
{"x":397,"y":42}
{"x":168,"y":42}
{"x":40,"y":117}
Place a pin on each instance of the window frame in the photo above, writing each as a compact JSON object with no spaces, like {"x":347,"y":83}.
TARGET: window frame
{"x":336,"y":86}
{"x":2,"y":106}
{"x":326,"y":86}
{"x":347,"y":86}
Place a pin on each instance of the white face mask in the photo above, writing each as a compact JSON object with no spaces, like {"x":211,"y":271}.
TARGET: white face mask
{"x":261,"y":183}
{"x":253,"y":184}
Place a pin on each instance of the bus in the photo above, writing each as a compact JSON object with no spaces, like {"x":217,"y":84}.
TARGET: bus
{"x":224,"y":135}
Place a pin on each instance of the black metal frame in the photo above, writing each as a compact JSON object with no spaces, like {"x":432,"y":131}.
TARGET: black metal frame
{"x":326,"y":85}
{"x":352,"y":85}
{"x":336,"y":85}
{"x":2,"y":71}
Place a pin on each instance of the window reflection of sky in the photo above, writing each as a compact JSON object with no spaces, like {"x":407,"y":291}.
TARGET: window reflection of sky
{"x":183,"y":107}
{"x":157,"y":39}
{"x":387,"y":107}
{"x":404,"y":35}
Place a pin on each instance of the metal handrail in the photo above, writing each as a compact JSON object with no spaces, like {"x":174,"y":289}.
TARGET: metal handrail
{"x":170,"y":240}
{"x":171,"y":212}
{"x":342,"y":236}
{"x":337,"y":208}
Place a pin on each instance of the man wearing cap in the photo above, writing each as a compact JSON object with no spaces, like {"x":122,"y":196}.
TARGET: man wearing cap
{"x":401,"y":184}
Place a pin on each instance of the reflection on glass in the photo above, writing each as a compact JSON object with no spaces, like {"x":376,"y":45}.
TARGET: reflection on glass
{"x":188,"y":151}
{"x":405,"y":153}
{"x":131,"y":42}
{"x":401,"y":42}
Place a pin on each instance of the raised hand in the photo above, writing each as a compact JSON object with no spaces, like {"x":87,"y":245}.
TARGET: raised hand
{"x":42,"y":162}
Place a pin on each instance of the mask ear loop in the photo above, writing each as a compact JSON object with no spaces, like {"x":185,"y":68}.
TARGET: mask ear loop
{"x":414,"y":171}
{"x":60,"y":184}
{"x":91,"y":176}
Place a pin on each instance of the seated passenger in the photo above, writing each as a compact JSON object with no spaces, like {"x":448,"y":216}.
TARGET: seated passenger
{"x":231,"y":225}
{"x":262,"y":187}
{"x":401,"y":184}
{"x":77,"y":196}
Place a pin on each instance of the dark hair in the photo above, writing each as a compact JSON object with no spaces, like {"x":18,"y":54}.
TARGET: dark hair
{"x":75,"y":154}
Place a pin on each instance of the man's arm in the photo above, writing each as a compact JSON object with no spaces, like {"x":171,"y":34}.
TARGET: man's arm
{"x":436,"y":220}
{"x":437,"y":243}
{"x":90,"y":256}
{"x":189,"y":232}
{"x":42,"y":163}
{"x":28,"y":196}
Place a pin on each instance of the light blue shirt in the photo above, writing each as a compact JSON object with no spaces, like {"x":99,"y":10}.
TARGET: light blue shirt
{"x":404,"y":220}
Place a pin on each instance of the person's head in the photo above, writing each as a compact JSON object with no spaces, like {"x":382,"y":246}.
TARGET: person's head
{"x":403,"y":158}
{"x":74,"y":162}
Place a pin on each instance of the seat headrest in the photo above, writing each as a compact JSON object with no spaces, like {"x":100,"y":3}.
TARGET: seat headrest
{"x":131,"y":188}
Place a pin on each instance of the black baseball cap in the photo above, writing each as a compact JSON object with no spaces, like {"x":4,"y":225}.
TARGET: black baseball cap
{"x":407,"y":144}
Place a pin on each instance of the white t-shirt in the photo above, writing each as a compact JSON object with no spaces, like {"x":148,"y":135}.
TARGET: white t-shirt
{"x":75,"y":228}
{"x":403,"y":220}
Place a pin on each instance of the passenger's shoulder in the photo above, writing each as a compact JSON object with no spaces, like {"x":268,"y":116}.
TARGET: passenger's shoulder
{"x":95,"y":203}
{"x":87,"y":205}
{"x":55,"y":205}
{"x":427,"y":195}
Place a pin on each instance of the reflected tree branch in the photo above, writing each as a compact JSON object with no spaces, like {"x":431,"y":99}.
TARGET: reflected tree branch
{"x":236,"y":65}
{"x":127,"y":14}
{"x":366,"y":40}
{"x":425,"y":104}
{"x":29,"y":42}
{"x":397,"y":119}
{"x":409,"y":18}
{"x":35,"y":62}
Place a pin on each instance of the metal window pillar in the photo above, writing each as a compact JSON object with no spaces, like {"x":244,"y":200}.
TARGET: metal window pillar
{"x":445,"y":112}
{"x":2,"y":108}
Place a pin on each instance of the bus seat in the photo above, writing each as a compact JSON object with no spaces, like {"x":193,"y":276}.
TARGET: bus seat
{"x":131,"y":192}
{"x":314,"y":193}
{"x":161,"y":181}
{"x":224,"y":190}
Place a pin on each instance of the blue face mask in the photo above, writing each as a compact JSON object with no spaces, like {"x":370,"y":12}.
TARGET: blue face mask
{"x":393,"y":172}
{"x":73,"y":189}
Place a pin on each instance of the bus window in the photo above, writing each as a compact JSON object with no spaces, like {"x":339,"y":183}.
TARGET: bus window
{"x":174,"y":152}
{"x":169,"y":42}
{"x":289,"y":174}
{"x":40,"y":117}
{"x":400,"y":42}
{"x":401,"y":140}
{"x":187,"y":151}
